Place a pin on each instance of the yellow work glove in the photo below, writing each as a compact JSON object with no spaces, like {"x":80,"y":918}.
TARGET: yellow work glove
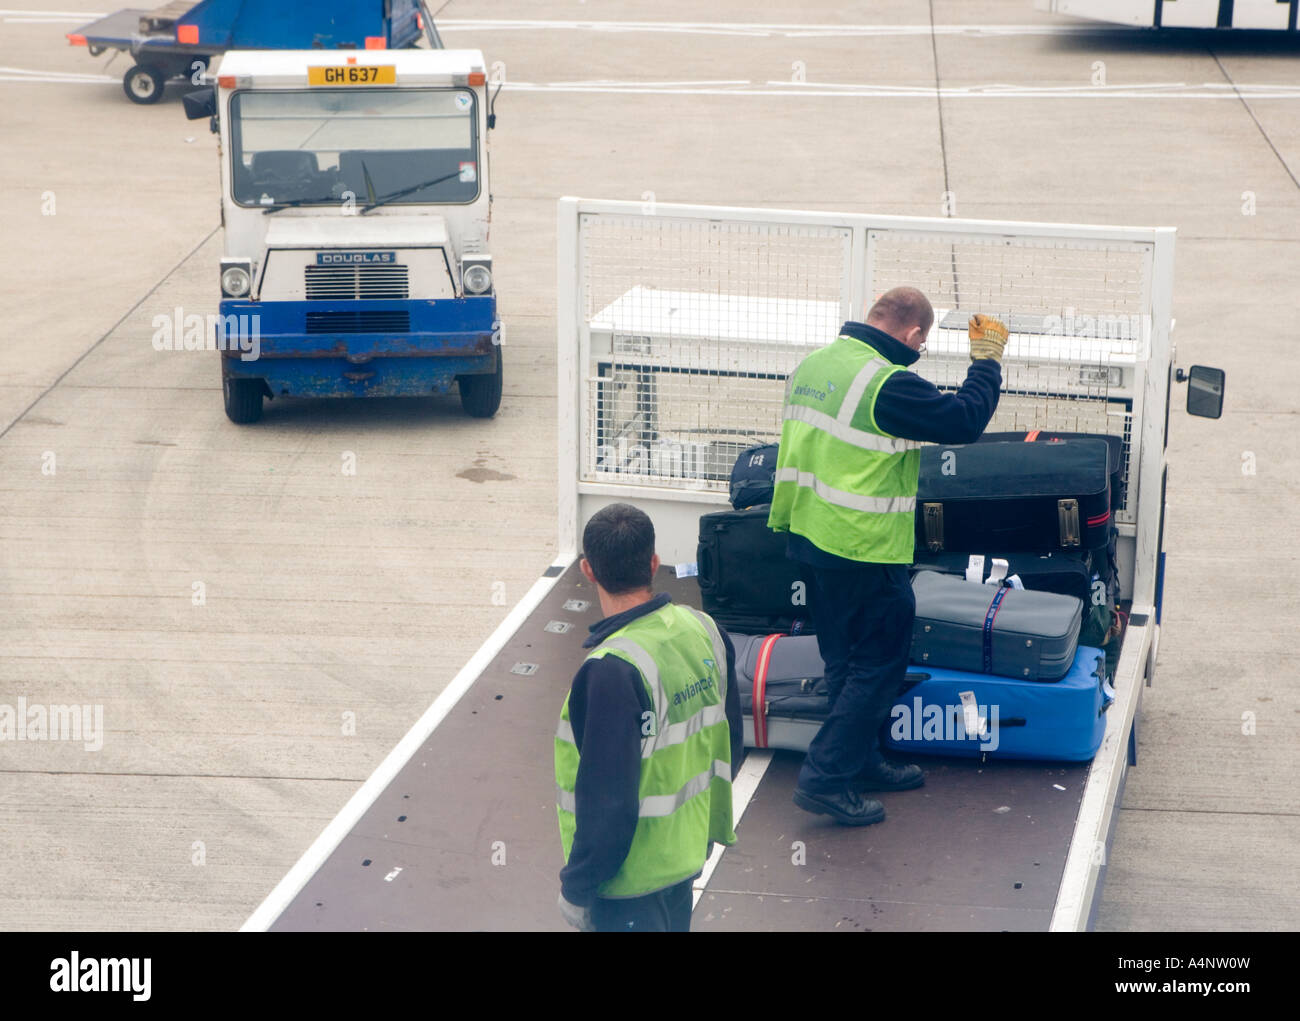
{"x":988,"y":337}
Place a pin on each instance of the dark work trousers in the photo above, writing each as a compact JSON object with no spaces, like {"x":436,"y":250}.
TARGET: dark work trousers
{"x":863,"y":618}
{"x":665,"y":911}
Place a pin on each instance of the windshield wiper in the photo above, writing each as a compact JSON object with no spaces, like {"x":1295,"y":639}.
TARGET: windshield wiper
{"x":275,"y":207}
{"x":376,"y":203}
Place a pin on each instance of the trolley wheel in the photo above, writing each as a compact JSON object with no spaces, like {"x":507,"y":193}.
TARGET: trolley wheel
{"x":243,"y":399}
{"x":480,"y":395}
{"x":143,"y":84}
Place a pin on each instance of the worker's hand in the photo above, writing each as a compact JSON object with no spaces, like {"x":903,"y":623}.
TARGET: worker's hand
{"x":579,"y":918}
{"x":988,"y":338}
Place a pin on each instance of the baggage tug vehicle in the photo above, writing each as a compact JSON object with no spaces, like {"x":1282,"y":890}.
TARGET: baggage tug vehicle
{"x":355,"y":206}
{"x":677,"y":330}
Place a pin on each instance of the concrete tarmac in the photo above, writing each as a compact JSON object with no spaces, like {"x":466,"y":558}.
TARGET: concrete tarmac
{"x":260,"y":628}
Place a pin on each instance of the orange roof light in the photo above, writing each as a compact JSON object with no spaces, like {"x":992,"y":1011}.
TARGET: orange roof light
{"x":477,"y":78}
{"x":226,"y":81}
{"x":76,"y":40}
{"x":188,"y":34}
{"x":376,"y":42}
{"x":352,"y":60}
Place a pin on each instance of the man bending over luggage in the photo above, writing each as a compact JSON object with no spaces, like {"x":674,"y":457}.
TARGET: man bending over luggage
{"x":846,"y":481}
{"x":649,"y":739}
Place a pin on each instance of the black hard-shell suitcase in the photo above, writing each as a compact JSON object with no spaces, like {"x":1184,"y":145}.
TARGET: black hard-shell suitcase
{"x":1019,"y":496}
{"x":1114,"y":443}
{"x":746,"y":581}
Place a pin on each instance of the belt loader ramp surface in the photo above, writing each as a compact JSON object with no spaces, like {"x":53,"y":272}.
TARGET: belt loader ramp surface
{"x":677,"y":327}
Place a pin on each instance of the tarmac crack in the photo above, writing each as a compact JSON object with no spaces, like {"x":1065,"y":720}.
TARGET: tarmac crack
{"x":1228,"y":78}
{"x":109,"y":332}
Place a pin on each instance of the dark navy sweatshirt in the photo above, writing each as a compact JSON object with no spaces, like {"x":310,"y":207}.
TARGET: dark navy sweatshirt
{"x":605,"y":707}
{"x":912,"y":408}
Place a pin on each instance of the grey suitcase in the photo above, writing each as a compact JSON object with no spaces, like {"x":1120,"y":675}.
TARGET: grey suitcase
{"x":992,"y":629}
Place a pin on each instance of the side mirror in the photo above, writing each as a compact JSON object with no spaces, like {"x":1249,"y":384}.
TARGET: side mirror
{"x":202,"y":103}
{"x":1204,"y":390}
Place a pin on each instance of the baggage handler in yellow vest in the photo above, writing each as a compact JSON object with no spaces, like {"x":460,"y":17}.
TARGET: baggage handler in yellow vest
{"x":846,"y":481}
{"x":648,"y":741}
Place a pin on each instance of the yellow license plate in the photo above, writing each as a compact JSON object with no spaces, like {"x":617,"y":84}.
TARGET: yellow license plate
{"x":353,"y":74}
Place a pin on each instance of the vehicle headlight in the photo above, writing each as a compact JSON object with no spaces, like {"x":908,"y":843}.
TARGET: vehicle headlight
{"x":477,"y":277}
{"x":236,"y":279}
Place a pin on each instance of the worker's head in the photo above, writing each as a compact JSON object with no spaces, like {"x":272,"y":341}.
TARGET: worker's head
{"x":618,"y":550}
{"x":905,"y":314}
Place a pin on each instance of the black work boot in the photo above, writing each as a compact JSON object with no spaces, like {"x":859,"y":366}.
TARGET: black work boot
{"x":848,"y":809}
{"x":885,"y":776}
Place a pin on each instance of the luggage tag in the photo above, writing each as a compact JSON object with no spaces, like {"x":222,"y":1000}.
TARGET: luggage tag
{"x":975,"y":568}
{"x":997,"y":572}
{"x":976,"y":725}
{"x":691,"y":570}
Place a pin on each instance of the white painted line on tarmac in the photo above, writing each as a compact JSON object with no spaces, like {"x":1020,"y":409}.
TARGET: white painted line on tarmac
{"x":1161,"y":90}
{"x":742,"y":790}
{"x":742,"y":87}
{"x":757,"y":29}
{"x":342,"y":824}
{"x":18,"y":74}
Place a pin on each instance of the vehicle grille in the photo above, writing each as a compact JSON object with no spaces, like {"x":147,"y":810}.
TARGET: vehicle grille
{"x":358,"y":322}
{"x":348,"y":283}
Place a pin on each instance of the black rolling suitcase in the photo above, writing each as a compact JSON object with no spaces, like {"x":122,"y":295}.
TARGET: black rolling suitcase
{"x":1014,"y":496}
{"x":747,"y":584}
{"x":1114,"y":443}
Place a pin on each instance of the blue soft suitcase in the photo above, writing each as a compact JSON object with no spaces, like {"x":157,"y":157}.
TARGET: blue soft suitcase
{"x":956,"y":713}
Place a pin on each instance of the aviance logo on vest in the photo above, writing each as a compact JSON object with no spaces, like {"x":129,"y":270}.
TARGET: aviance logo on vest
{"x":685,"y":786}
{"x":842,"y":482}
{"x":692,"y":690}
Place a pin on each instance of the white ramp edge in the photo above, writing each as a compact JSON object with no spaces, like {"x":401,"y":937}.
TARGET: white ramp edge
{"x":342,"y":824}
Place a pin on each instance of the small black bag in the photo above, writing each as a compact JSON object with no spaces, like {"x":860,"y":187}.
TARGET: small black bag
{"x":753,"y":477}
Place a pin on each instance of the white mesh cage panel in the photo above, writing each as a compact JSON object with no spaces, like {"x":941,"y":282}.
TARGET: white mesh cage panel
{"x":694,"y":326}
{"x":691,"y":324}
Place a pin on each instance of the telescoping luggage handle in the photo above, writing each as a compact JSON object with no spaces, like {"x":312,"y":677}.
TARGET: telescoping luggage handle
{"x":760,"y":689}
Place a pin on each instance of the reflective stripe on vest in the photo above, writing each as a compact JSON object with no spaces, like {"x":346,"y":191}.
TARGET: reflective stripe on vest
{"x":660,"y":805}
{"x":866,"y":504}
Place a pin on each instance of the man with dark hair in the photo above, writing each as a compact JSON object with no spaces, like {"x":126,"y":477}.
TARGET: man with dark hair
{"x":650,"y":736}
{"x":846,"y":482}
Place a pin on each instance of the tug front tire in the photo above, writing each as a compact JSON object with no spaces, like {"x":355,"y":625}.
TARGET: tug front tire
{"x":243,"y":399}
{"x":480,"y":395}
